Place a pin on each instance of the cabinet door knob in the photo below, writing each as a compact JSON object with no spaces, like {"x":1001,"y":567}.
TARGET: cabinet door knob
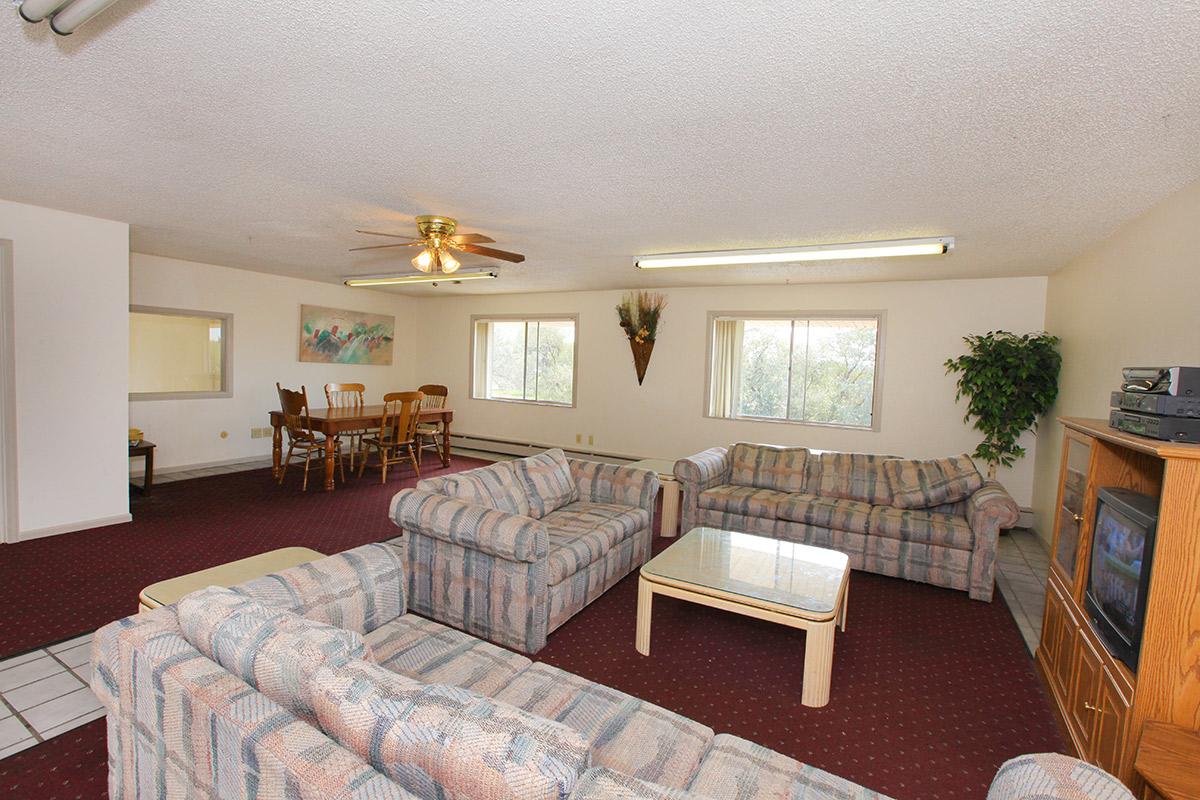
{"x":1091,"y":707}
{"x":1077,"y":517}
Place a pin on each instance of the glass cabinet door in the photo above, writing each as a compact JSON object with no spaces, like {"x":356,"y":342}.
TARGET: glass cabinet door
{"x":1070,"y":513}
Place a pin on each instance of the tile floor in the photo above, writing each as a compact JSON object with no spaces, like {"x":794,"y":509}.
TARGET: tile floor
{"x":44,"y":693}
{"x":1023,"y":564}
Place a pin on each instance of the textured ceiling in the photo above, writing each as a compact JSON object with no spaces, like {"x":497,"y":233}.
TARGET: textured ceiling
{"x":259,"y":135}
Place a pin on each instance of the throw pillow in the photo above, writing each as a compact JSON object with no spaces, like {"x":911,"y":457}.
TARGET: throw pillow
{"x":548,"y":482}
{"x":765,"y":466}
{"x":496,"y":487}
{"x":273,"y":649}
{"x":922,"y":484}
{"x":444,"y":741}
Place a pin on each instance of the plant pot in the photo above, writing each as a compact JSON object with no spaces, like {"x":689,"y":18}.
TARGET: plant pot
{"x":641,"y":357}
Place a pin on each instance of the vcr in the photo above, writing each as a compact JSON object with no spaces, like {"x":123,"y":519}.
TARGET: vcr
{"x":1163,"y":404}
{"x":1167,"y":429}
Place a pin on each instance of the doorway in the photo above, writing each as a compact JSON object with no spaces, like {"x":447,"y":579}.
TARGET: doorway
{"x":8,"y":411}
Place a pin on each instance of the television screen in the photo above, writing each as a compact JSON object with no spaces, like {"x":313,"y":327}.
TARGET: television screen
{"x":1117,"y":553}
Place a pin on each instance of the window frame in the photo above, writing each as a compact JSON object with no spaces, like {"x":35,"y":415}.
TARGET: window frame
{"x":478,"y":392}
{"x":880,"y":317}
{"x":226,"y":353}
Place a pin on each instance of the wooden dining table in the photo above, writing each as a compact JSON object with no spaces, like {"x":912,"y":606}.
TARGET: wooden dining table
{"x":332,"y":421}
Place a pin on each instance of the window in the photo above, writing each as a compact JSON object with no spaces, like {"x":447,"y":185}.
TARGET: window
{"x":177,"y":354}
{"x":818,"y":370}
{"x":528,"y":360}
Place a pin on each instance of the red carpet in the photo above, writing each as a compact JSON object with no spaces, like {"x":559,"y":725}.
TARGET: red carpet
{"x":931,"y":691}
{"x":62,"y":586}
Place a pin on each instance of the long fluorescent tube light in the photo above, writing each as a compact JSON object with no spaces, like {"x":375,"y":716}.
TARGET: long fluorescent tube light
{"x":400,"y":280}
{"x":38,"y":10}
{"x":68,"y":20}
{"x":790,"y":255}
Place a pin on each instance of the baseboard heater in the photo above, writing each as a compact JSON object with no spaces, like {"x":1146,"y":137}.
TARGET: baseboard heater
{"x":516,"y":447}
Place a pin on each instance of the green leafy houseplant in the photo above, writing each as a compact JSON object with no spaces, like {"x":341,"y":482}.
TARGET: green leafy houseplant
{"x":1009,"y":381}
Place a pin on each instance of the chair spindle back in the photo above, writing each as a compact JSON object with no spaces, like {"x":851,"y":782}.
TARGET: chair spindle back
{"x":401,"y":411}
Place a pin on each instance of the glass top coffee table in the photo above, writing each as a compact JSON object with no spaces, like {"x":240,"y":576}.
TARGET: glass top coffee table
{"x":792,"y":584}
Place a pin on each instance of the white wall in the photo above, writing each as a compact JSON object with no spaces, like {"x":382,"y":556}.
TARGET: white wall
{"x":924,"y":325}
{"x":264,"y":349}
{"x":71,"y":298}
{"x":1130,"y":300}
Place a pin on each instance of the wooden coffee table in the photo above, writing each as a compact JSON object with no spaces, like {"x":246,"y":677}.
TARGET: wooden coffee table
{"x":757,"y":576}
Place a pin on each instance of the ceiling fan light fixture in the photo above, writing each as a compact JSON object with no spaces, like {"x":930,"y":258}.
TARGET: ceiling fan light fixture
{"x":424,"y":260}
{"x":790,"y":255}
{"x":401,"y":280}
{"x":449,"y":263}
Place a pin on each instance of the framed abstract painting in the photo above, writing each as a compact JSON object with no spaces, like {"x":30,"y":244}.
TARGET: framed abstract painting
{"x":337,"y":336}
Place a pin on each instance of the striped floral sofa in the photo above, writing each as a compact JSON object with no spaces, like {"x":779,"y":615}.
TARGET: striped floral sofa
{"x":931,"y":521}
{"x":315,"y":684}
{"x":513,"y":550}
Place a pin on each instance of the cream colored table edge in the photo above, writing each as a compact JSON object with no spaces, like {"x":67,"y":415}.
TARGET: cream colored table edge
{"x":819,"y":628}
{"x":164,"y":593}
{"x":670,"y":490}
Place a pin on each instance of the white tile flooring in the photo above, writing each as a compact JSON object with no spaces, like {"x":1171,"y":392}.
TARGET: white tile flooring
{"x":45,"y":692}
{"x":1023,"y":564}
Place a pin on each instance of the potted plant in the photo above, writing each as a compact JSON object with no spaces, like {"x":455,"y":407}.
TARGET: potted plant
{"x":640,"y":315}
{"x":1009,"y":381}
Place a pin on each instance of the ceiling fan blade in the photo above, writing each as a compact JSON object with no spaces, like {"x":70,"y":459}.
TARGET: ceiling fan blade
{"x":381,"y":246}
{"x":503,"y":255}
{"x":392,"y":235}
{"x":470,"y":238}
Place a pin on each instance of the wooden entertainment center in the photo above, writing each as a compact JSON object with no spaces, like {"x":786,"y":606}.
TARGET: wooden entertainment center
{"x":1105,"y":704}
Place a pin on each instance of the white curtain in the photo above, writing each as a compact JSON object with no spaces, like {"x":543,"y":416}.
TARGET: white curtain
{"x":724,"y":367}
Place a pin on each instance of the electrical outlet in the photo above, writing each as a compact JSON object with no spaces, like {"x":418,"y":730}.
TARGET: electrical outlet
{"x":591,"y":439}
{"x":579,"y":438}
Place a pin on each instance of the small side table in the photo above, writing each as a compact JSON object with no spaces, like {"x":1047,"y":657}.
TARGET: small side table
{"x":172,"y":590}
{"x":665,"y":469}
{"x":1168,"y":759}
{"x":146,"y":451}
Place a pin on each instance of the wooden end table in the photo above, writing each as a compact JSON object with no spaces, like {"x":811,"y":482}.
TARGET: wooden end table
{"x":1168,"y":759}
{"x":144,"y":449}
{"x":788,"y":583}
{"x":665,"y":470}
{"x":172,"y":590}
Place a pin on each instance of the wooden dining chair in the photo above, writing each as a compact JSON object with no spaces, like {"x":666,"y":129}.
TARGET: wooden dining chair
{"x":429,"y":434}
{"x":349,"y":395}
{"x":397,"y":437}
{"x":302,"y":439}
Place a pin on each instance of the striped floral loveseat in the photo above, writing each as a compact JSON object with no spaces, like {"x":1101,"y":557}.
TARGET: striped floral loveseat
{"x":931,"y":521}
{"x":513,"y":550}
{"x":315,"y":684}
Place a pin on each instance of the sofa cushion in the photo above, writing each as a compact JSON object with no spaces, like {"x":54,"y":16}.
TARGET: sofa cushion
{"x":925,"y":527}
{"x":736,"y":768}
{"x":429,"y":652}
{"x":922,"y":484}
{"x":625,"y":734}
{"x":547,"y":481}
{"x":582,"y":533}
{"x":270,"y":648}
{"x":1053,"y":776}
{"x":745,"y":500}
{"x":443,"y":741}
{"x":496,"y":486}
{"x":765,"y":466}
{"x":826,"y":512}
{"x":599,"y":783}
{"x":852,"y":476}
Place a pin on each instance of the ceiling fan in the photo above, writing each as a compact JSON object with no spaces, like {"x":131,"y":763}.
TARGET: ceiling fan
{"x":437,"y":239}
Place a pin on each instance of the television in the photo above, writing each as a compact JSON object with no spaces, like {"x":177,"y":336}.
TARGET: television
{"x":1119,"y":574}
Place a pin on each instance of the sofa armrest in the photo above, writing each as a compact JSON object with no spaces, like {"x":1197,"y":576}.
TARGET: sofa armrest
{"x":359,"y":589}
{"x":1051,"y":776}
{"x":608,"y":483}
{"x":704,"y":470}
{"x":474,"y":527}
{"x":992,"y":507}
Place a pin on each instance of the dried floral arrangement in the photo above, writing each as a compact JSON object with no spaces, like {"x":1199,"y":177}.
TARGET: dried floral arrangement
{"x":640,"y":315}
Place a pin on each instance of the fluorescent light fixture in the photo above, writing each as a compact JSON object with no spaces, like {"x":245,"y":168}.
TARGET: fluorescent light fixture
{"x":792,"y":255}
{"x":401,"y":280}
{"x":65,"y":15}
